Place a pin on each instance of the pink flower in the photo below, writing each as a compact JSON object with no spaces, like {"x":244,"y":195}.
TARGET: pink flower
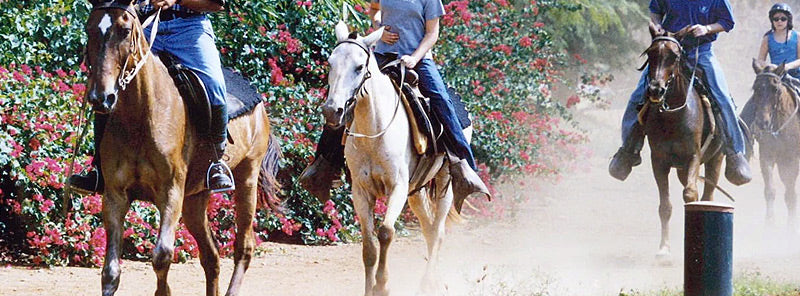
{"x":525,"y":41}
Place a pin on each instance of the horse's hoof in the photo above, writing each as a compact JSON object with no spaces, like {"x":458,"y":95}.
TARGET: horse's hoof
{"x":663,"y":257}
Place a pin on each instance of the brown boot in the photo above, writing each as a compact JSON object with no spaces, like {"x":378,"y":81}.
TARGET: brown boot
{"x":737,"y":170}
{"x":465,"y":183}
{"x":318,"y":178}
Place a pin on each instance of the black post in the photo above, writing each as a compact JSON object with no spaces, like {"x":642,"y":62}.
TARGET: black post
{"x":708,"y":249}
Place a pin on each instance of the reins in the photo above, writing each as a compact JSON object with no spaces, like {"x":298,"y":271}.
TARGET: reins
{"x":360,"y":92}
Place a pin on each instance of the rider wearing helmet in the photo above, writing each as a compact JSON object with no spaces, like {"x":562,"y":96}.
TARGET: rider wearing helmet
{"x":703,"y":19}
{"x":781,"y":41}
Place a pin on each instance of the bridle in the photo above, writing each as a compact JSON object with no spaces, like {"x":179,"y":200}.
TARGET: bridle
{"x":127,"y":75}
{"x":360,"y":92}
{"x":661,"y":100}
{"x":794,"y":95}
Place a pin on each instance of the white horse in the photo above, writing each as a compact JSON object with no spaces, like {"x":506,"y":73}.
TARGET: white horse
{"x":382,"y":160}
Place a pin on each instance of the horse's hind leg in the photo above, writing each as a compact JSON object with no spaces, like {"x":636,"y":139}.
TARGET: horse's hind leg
{"x":788,"y":170}
{"x":394,"y":206}
{"x":196,"y":221}
{"x":168,"y":206}
{"x":364,"y":206}
{"x":713,"y":168}
{"x":661,"y":174}
{"x":247,"y":181}
{"x":115,"y":206}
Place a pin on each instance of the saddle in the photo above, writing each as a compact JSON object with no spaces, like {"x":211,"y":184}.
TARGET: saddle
{"x":426,"y":127}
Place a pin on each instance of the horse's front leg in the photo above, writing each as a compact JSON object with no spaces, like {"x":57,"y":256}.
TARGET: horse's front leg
{"x":788,"y":170}
{"x":394,"y":206}
{"x":169,"y":206}
{"x":713,"y":168}
{"x":115,"y":206}
{"x":688,"y":178}
{"x":767,"y":163}
{"x":661,"y":174}
{"x":364,"y":206}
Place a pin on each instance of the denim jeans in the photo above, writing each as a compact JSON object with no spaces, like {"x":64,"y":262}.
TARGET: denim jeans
{"x":719,"y":91}
{"x":191,"y":40}
{"x":432,"y":86}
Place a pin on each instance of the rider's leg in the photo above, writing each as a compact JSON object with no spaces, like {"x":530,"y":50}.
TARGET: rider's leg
{"x":465,"y":179}
{"x":327,"y":166}
{"x":632,"y":134}
{"x":93,"y":180}
{"x":737,"y":170}
{"x":192,"y":41}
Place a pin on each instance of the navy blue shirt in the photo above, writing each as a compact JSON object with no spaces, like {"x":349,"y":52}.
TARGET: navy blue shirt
{"x":678,"y":14}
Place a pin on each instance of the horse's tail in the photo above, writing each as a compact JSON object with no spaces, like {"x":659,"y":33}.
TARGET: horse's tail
{"x":268,"y":185}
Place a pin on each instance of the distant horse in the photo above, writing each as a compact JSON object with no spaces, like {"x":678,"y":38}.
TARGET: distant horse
{"x":381,"y":158}
{"x":775,"y":123}
{"x":679,"y":126}
{"x":150,"y":151}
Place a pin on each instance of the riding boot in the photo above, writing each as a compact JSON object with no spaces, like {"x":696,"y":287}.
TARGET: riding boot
{"x":737,"y":170}
{"x":318,"y":178}
{"x":219,"y":177}
{"x":628,"y":155}
{"x":92,"y":182}
{"x":465,"y":182}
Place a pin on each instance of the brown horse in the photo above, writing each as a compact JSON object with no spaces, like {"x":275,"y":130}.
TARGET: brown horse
{"x":773,"y":119}
{"x":150,"y":151}
{"x":680,"y":130}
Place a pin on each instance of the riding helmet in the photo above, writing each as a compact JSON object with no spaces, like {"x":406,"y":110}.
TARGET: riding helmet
{"x":785,"y":8}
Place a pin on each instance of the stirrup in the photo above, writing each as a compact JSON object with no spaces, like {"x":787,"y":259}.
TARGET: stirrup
{"x":226,"y":171}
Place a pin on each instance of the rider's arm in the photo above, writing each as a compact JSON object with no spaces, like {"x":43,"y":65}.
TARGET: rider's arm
{"x":762,"y":52}
{"x":657,"y":19}
{"x":430,"y":38}
{"x":374,"y":15}
{"x":796,"y":63}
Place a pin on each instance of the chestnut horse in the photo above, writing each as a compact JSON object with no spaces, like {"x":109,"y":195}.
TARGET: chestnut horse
{"x":679,"y":126}
{"x":150,"y":151}
{"x":773,"y":119}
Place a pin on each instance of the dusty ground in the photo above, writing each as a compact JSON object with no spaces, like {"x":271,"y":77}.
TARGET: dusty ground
{"x":587,"y":234}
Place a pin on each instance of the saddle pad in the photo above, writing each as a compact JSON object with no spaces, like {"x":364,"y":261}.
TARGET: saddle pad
{"x":242,"y":96}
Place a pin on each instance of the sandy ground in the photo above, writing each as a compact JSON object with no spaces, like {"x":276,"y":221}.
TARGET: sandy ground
{"x":586,"y":234}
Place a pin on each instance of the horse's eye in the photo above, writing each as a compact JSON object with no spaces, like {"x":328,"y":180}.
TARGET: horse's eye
{"x":359,"y":68}
{"x":125,"y":32}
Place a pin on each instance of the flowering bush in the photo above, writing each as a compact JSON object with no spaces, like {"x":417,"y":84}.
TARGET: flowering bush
{"x":499,"y":56}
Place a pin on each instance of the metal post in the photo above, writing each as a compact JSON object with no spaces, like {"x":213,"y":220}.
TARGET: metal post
{"x":708,"y":249}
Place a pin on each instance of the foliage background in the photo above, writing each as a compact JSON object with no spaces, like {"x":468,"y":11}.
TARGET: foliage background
{"x":504,"y":57}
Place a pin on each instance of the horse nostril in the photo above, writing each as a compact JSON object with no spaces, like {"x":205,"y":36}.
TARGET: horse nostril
{"x":339,"y":111}
{"x":111,"y":99}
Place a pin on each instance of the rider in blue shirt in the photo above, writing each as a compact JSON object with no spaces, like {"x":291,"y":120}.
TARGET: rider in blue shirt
{"x":704,"y":18}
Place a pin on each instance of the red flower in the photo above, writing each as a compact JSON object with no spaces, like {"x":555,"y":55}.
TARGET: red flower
{"x":525,"y":41}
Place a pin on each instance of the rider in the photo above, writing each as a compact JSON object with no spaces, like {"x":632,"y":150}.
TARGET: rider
{"x":704,"y":18}
{"x":411,"y":30}
{"x":185,"y":32}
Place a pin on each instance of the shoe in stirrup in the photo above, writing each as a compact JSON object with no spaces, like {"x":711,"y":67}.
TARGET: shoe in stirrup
{"x":319,"y":177}
{"x":466,"y":183}
{"x":622,"y":163}
{"x":219,"y":177}
{"x":88,"y":184}
{"x":737,"y":170}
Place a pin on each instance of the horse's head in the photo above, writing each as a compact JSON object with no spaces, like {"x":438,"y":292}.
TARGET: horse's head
{"x":114,"y":33}
{"x":349,"y":62}
{"x":767,"y":92}
{"x":664,"y":56}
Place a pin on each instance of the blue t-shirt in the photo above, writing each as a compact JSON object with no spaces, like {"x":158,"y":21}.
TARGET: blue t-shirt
{"x":681,"y":13}
{"x":783,"y":52}
{"x":407,"y":18}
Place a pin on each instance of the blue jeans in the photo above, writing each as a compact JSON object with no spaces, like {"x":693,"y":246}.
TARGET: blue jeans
{"x":719,"y":91}
{"x":191,"y":40}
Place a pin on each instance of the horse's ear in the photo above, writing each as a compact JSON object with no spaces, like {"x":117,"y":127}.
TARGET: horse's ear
{"x":373,"y":37}
{"x":758,"y":66}
{"x":341,"y":31}
{"x":653,"y":30}
{"x":781,"y":70}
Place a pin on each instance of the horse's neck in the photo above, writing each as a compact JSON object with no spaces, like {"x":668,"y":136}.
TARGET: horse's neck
{"x":150,"y":98}
{"x":376,"y":110}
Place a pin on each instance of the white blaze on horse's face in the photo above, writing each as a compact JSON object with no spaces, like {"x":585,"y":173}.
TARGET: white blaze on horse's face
{"x":108,"y":45}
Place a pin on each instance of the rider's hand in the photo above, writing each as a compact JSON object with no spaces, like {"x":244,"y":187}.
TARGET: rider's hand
{"x":389,"y":37}
{"x":163,"y":4}
{"x":700,"y":30}
{"x":409,"y":61}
